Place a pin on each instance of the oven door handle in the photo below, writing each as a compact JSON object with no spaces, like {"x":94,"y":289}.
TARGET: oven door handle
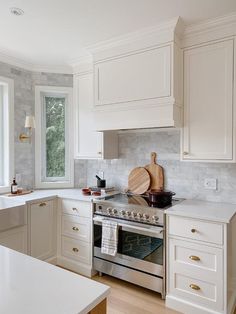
{"x":155,"y":232}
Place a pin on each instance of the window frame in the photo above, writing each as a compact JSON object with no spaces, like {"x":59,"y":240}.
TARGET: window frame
{"x":40,"y":161}
{"x":8,"y":132}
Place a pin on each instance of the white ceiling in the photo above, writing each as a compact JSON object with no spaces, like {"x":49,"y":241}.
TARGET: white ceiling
{"x":55,"y":32}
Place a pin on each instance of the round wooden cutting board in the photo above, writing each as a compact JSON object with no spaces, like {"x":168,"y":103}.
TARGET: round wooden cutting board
{"x":139,"y":180}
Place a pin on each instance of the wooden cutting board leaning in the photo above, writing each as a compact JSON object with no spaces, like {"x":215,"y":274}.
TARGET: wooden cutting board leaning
{"x":139,"y":180}
{"x":156,"y":173}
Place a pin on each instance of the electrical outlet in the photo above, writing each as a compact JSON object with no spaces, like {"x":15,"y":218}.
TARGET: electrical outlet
{"x":210,"y":184}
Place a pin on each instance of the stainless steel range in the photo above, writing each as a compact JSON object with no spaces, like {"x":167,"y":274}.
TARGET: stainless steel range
{"x":140,"y":257}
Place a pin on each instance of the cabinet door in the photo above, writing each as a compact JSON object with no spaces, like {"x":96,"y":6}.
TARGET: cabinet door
{"x":88,"y":141}
{"x":42,"y":230}
{"x":208,"y":102}
{"x":134,"y":77}
{"x":15,"y":239}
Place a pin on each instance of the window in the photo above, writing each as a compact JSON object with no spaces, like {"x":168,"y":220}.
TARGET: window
{"x":53,"y":137}
{"x":6,"y":133}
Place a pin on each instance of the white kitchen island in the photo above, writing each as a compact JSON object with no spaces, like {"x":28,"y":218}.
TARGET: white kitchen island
{"x":30,"y":286}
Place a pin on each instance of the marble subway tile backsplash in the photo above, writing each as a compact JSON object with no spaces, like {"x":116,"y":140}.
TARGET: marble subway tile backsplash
{"x":184,"y":178}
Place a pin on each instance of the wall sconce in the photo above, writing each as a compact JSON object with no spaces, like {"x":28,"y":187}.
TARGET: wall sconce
{"x":29,"y":124}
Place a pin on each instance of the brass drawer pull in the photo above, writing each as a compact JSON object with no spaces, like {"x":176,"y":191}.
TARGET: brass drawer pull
{"x":42,"y":204}
{"x":75,"y":229}
{"x":74,"y":208}
{"x":194,"y":287}
{"x":75,"y":249}
{"x":194,"y":258}
{"x":193,"y":230}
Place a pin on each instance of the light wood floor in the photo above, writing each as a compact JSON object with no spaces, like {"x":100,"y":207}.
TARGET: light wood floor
{"x":126,"y":298}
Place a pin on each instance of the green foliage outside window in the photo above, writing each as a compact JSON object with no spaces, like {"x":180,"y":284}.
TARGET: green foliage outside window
{"x":55,"y":136}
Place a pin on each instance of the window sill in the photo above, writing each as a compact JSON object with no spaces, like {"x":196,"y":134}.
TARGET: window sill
{"x":4,"y":189}
{"x":53,"y":185}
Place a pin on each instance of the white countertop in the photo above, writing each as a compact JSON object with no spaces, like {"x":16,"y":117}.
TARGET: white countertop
{"x":218,"y":212}
{"x":30,"y":286}
{"x":76,"y":194}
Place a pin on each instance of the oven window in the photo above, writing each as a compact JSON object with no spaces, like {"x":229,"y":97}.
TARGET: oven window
{"x":135,"y":245}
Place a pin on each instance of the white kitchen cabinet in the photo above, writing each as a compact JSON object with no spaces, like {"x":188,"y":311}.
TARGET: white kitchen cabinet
{"x":200,"y":259}
{"x":75,"y":248}
{"x":208,"y":133}
{"x":42,"y":226}
{"x":90,"y":144}
{"x":139,"y":89}
{"x":15,"y":239}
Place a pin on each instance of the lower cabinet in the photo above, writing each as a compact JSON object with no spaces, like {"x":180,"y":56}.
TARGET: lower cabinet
{"x":198,"y":259}
{"x":42,"y":226}
{"x":75,"y":236}
{"x":15,"y":239}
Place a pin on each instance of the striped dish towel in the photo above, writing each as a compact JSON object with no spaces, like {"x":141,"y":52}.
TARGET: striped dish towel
{"x":109,"y":237}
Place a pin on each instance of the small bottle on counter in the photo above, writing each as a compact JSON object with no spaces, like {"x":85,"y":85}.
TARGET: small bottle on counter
{"x":14,"y":186}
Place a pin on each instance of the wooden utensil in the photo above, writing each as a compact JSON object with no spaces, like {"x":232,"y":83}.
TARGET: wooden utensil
{"x":139,"y":180}
{"x":156,"y":173}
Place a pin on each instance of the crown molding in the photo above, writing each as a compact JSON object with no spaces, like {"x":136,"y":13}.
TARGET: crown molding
{"x":211,"y":29}
{"x":173,"y":25}
{"x":5,"y":57}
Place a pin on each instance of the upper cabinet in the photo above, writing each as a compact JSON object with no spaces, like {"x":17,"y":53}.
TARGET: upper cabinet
{"x":90,"y":144}
{"x":208,"y":132}
{"x":138,"y":81}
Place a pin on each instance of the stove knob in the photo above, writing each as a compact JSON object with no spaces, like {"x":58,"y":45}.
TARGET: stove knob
{"x":139,"y":215}
{"x":122,"y":212}
{"x":146,"y":216}
{"x":155,"y":218}
{"x":109,"y":210}
{"x":128,"y":213}
{"x":133,"y":214}
{"x":114,"y":211}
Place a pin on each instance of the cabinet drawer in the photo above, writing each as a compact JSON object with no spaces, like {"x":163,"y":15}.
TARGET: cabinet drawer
{"x":197,"y":291}
{"x":195,"y":229}
{"x":76,"y":250}
{"x":200,"y":258}
{"x":77,"y":227}
{"x":77,"y":208}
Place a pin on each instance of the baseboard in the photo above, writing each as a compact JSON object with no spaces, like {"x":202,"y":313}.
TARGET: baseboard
{"x":187,"y":307}
{"x":52,"y":260}
{"x":85,"y":270}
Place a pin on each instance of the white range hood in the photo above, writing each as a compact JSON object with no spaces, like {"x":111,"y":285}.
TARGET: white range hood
{"x":138,"y":79}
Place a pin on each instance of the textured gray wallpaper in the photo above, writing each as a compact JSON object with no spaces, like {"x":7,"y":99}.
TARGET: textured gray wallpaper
{"x":24,"y":85}
{"x":184,"y":178}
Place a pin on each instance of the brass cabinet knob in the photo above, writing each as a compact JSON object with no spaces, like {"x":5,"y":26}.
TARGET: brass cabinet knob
{"x":193,"y":230}
{"x":194,"y":258}
{"x":194,"y":287}
{"x":75,"y":229}
{"x":75,"y":249}
{"x":42,"y":204}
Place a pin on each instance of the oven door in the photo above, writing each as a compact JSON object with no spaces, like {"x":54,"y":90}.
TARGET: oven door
{"x":140,"y":246}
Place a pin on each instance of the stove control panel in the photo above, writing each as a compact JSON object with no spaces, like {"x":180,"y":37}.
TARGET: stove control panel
{"x":146,"y":215}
